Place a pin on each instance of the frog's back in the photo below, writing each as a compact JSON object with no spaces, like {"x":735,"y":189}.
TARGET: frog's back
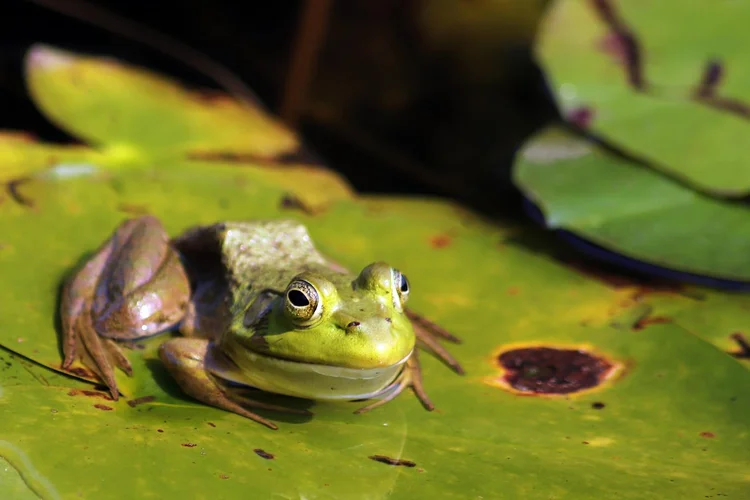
{"x":258,"y":254}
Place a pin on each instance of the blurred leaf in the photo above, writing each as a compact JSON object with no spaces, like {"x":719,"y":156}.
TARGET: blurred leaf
{"x":692,"y":132}
{"x":20,"y":155}
{"x":135,"y":115}
{"x":483,"y":282}
{"x":632,"y":210}
{"x":113,"y":106}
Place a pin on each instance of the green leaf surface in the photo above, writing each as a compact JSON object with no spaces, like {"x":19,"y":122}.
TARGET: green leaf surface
{"x":624,"y":207}
{"x":697,"y":140}
{"x":481,"y":281}
{"x":141,"y":117}
{"x":21,"y":155}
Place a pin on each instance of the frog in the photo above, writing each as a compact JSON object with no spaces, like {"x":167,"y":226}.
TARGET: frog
{"x":252,"y":306}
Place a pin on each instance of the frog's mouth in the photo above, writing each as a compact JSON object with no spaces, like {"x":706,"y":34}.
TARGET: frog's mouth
{"x":306,"y":380}
{"x":350,"y":373}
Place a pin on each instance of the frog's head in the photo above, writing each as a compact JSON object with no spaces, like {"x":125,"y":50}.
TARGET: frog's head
{"x":335,"y":320}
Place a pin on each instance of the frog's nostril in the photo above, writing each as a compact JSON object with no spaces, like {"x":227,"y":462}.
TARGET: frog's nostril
{"x":352,"y":325}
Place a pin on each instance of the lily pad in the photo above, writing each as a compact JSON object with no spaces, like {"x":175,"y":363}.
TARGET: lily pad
{"x":664,"y":81}
{"x":635,"y":433}
{"x":111,"y":106}
{"x":632,"y":432}
{"x":624,"y":207}
{"x":142,"y":117}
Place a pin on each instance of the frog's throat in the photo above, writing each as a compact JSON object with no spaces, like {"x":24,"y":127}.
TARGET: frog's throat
{"x":303,"y":380}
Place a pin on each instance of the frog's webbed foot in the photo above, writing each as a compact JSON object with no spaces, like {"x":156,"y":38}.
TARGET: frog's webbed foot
{"x":411,"y":376}
{"x":427,"y":333}
{"x":185,"y":359}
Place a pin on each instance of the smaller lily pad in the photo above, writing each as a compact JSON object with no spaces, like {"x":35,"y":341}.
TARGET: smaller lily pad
{"x":138,"y":115}
{"x":623,"y":207}
{"x":664,"y":81}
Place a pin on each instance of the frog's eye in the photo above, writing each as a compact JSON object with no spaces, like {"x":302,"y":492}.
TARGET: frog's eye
{"x":302,"y":302}
{"x":400,"y":288}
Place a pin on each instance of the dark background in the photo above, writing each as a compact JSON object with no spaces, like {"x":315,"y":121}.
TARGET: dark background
{"x":450,"y":130}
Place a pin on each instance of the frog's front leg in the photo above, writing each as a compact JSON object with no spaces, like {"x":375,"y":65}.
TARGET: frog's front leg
{"x":134,"y":286}
{"x":186,"y":360}
{"x":410,"y":376}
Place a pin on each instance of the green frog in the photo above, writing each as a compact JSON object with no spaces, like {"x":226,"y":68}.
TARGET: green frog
{"x":257,"y":307}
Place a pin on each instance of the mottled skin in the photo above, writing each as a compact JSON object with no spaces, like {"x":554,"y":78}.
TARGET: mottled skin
{"x":257,"y":305}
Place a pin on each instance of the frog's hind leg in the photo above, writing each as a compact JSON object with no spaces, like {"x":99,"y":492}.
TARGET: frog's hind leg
{"x":106,"y":299}
{"x":411,"y":376}
{"x":185,"y":359}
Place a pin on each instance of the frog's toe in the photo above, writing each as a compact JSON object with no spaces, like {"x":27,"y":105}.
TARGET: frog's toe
{"x":430,"y":327}
{"x":411,"y":376}
{"x":114,"y":351}
{"x":427,"y":334}
{"x":96,"y":355}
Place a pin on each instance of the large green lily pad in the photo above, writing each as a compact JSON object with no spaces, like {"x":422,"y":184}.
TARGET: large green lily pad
{"x":483,"y":441}
{"x":624,"y":207}
{"x":696,"y":140}
{"x":637,"y":435}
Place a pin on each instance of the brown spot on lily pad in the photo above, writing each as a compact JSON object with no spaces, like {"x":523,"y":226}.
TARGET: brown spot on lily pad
{"x":14,"y":190}
{"x":621,"y":43}
{"x":292,"y":202}
{"x":744,"y":351}
{"x":139,"y":401}
{"x":103,"y":407}
{"x":707,"y":434}
{"x":581,"y":117}
{"x":91,"y":394}
{"x":544,"y":370}
{"x":650,"y":320}
{"x":189,"y":445}
{"x":223,"y":476}
{"x":598,"y":405}
{"x":229,"y":157}
{"x":708,"y":88}
{"x":132,"y":209}
{"x":264,"y":454}
{"x":383,"y":459}
{"x":82,"y":372}
{"x":440,"y":241}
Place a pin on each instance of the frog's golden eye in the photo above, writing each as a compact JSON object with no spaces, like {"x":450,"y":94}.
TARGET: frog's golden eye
{"x":400,"y":288}
{"x":302,"y":302}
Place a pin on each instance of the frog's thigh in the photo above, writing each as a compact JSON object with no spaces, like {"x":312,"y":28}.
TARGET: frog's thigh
{"x":185,"y":361}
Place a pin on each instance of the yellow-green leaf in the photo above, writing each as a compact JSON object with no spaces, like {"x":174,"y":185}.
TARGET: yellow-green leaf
{"x":135,"y":115}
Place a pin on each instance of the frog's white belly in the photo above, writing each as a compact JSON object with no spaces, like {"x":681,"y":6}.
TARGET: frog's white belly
{"x":304,"y":380}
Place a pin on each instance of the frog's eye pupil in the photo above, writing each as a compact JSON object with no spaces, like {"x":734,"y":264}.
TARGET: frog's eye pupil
{"x":404,"y":284}
{"x":298,"y":299}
